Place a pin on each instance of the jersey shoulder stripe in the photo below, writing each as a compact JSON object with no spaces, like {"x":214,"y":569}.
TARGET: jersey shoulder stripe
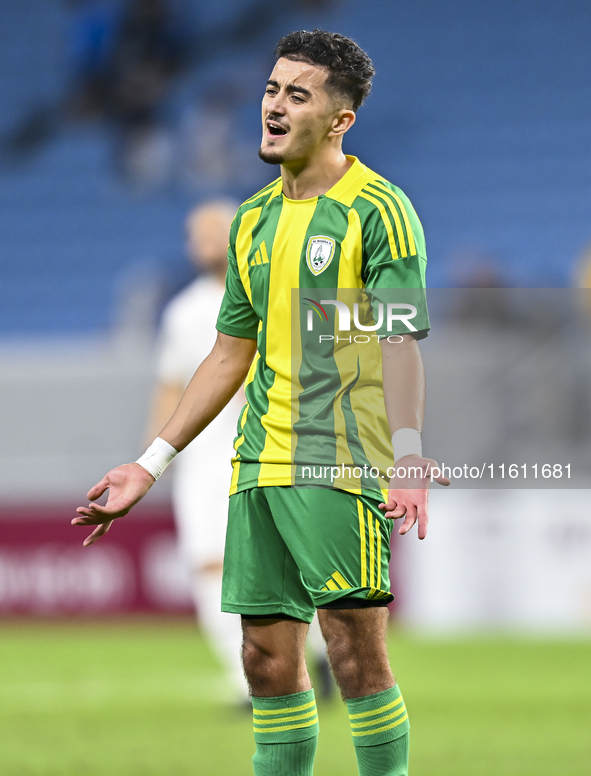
{"x":247,"y":217}
{"x":412,"y":222}
{"x":376,"y":203}
{"x":397,"y":215}
{"x":266,"y":191}
{"x":395,"y":196}
{"x":393,"y":210}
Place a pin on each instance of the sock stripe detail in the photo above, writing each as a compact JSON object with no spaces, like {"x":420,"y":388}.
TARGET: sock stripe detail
{"x":297,"y":717}
{"x":286,"y":720}
{"x":308,"y":723}
{"x":380,"y":729}
{"x":286,"y":710}
{"x":371,"y":713}
{"x":385,"y":718}
{"x":386,"y":722}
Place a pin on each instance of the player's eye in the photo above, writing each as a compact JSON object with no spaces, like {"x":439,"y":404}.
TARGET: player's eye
{"x":270,"y":91}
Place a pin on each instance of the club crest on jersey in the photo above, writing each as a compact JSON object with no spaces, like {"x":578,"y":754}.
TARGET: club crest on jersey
{"x":319,"y":253}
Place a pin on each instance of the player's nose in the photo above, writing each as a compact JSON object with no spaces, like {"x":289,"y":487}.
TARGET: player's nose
{"x":279,"y":105}
{"x":276,"y":112}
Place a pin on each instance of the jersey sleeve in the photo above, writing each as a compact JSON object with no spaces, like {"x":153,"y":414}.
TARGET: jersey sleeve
{"x":395,"y":262}
{"x":237,"y":316}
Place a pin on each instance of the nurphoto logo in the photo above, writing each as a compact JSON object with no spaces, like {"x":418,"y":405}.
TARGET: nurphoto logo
{"x":390,"y":312}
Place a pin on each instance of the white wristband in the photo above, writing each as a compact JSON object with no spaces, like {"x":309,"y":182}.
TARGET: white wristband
{"x":406,"y":441}
{"x":157,"y":457}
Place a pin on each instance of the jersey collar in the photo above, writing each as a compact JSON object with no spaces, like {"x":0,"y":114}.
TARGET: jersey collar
{"x":346,"y":185}
{"x":349,"y":183}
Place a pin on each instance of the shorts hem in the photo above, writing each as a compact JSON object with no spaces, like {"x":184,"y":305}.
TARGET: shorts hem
{"x":331,"y":600}
{"x":353,"y":603}
{"x":268,"y":609}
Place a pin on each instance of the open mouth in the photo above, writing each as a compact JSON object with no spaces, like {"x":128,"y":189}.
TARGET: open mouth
{"x":275,"y":129}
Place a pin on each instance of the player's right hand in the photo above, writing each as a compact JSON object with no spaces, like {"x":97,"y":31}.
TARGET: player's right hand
{"x":127,"y":485}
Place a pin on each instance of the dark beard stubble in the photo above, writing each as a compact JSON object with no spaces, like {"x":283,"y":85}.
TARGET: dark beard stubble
{"x":270,"y":157}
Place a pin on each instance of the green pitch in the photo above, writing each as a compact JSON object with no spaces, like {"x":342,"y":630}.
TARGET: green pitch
{"x":114,"y":700}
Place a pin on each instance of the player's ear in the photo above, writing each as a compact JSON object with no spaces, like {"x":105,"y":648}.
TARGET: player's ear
{"x":342,"y":122}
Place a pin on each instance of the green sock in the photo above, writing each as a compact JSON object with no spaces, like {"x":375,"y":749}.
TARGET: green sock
{"x":379,"y":724}
{"x":285,"y":732}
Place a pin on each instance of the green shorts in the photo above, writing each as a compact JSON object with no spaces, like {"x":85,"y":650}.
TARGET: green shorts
{"x":292,"y":550}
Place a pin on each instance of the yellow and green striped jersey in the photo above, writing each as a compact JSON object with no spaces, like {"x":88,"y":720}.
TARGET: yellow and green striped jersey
{"x":316,"y":406}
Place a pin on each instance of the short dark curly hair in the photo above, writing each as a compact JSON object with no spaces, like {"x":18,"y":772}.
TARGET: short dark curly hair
{"x":350,"y":70}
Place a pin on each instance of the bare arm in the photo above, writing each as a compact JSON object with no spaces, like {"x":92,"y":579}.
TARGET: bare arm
{"x":214,"y":383}
{"x":165,"y":400}
{"x":404,"y":397}
{"x":404,"y":383}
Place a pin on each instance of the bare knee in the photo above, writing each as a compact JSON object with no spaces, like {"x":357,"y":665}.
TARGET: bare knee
{"x":264,"y":667}
{"x":356,"y":645}
{"x":273,"y":657}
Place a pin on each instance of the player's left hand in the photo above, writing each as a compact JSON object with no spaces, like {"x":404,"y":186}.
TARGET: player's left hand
{"x":409,"y":495}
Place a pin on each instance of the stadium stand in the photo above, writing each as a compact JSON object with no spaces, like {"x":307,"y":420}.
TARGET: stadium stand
{"x":479,"y":112}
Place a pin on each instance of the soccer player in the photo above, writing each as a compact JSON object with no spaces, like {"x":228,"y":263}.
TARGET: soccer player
{"x":327,"y":222}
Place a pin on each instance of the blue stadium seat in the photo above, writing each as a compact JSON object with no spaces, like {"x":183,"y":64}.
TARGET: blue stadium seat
{"x":479,"y":112}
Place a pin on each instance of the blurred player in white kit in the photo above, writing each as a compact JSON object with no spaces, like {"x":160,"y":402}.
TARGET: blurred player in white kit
{"x":201,"y":477}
